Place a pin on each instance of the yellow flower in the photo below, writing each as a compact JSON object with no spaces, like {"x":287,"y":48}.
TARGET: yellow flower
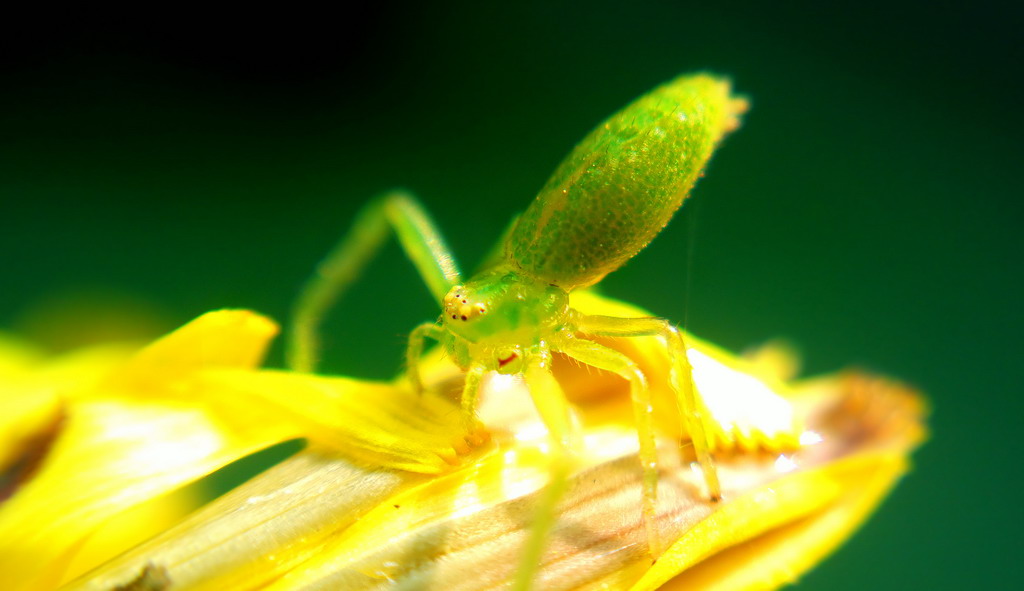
{"x":391,"y":494}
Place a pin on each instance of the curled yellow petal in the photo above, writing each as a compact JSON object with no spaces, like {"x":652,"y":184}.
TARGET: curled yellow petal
{"x":380,"y":424}
{"x":34,"y":389}
{"x":221,"y":339}
{"x":889,"y":417}
{"x":127,"y":429}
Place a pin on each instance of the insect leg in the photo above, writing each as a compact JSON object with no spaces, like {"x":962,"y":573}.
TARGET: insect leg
{"x":601,"y":357}
{"x":694,"y":413}
{"x":419,"y":238}
{"x":475,"y":433}
{"x":563,"y":435}
{"x":417,"y":340}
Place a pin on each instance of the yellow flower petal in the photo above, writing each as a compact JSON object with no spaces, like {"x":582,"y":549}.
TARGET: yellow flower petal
{"x":260,"y":530}
{"x":783,"y":545}
{"x":379,"y":424}
{"x":135,"y":432}
{"x":108,"y":457}
{"x":134,"y":525}
{"x":319,"y":522}
{"x":33,"y":390}
{"x":858,"y":481}
{"x":222,"y":339}
{"x":27,"y":421}
{"x":17,"y":357}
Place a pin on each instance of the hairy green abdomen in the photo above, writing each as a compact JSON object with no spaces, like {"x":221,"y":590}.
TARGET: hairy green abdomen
{"x":620,"y":186}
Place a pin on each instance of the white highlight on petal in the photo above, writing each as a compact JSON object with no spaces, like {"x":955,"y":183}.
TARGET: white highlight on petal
{"x":738,"y":401}
{"x":531,"y":432}
{"x":785,"y":464}
{"x":810,"y":438}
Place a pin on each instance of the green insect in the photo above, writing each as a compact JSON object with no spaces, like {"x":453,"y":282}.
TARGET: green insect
{"x":616,"y":190}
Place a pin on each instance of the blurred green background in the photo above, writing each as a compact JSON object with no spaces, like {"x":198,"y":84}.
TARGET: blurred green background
{"x":869,"y":209}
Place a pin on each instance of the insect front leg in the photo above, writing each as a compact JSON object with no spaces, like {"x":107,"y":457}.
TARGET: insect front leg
{"x":475,"y":432}
{"x":564,"y":440}
{"x":694,"y":413}
{"x":414,"y":350}
{"x":422,"y":243}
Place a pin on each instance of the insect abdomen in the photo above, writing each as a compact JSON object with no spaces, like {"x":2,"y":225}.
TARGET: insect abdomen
{"x":620,"y":186}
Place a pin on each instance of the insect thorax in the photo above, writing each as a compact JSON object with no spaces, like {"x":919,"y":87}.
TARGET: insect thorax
{"x":501,"y":307}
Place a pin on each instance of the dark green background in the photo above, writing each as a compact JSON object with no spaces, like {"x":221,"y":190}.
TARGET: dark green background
{"x":869,"y":210}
